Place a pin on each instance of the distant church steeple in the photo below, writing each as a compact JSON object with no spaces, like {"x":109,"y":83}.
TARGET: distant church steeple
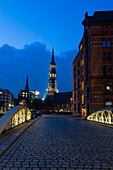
{"x":53,"y":62}
{"x":27,"y":86}
{"x":52,"y":84}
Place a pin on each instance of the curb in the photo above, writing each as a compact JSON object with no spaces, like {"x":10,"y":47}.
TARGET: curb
{"x":101,"y":124}
{"x":21,"y":132}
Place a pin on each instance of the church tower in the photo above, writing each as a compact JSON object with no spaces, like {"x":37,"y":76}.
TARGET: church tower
{"x":52,"y":84}
{"x":27,"y":86}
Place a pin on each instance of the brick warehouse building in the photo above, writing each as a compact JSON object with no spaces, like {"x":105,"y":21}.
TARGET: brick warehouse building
{"x":93,"y":65}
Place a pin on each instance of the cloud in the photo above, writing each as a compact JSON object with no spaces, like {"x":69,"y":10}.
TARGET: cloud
{"x":34,"y":60}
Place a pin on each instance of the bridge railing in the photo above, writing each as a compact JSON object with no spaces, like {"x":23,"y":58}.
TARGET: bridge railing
{"x":14,"y":117}
{"x":102,"y":116}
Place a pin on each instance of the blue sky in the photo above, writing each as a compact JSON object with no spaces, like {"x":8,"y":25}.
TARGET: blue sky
{"x":30,"y":28}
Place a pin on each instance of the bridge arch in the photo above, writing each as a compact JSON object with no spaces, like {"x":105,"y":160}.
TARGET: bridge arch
{"x":14,"y":117}
{"x":102,"y":116}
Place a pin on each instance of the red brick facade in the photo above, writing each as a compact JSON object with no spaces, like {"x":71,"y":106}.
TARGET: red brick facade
{"x":93,"y":65}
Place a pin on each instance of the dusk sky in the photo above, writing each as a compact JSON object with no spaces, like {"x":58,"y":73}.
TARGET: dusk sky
{"x":28,"y":31}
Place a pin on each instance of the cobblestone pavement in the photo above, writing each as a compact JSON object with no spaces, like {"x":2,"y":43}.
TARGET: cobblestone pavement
{"x":58,"y":142}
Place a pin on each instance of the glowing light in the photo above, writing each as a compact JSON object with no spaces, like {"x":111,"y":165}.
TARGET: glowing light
{"x":80,"y":47}
{"x":83,"y":99}
{"x":83,"y":112}
{"x":53,"y":75}
{"x":82,"y":62}
{"x":43,"y":98}
{"x":37,"y":93}
{"x":103,"y":116}
{"x":21,"y":103}
{"x":107,"y":87}
{"x":82,"y":85}
{"x":52,"y":66}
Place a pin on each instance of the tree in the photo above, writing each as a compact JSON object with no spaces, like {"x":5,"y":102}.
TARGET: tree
{"x":37,"y":104}
{"x":49,"y":105}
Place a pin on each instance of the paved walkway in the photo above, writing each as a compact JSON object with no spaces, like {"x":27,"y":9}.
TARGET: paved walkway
{"x":10,"y":136}
{"x":58,"y":142}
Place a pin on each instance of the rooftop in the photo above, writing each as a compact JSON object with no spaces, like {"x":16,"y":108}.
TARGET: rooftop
{"x":62,"y":97}
{"x":98,"y":17}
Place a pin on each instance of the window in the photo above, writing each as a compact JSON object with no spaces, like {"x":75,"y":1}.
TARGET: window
{"x":75,"y":108}
{"x":82,"y":85}
{"x":104,"y":43}
{"x":74,"y":96}
{"x":52,"y":75}
{"x":74,"y":69}
{"x":82,"y":73}
{"x":79,"y":107}
{"x":52,"y":66}
{"x":82,"y":62}
{"x":78,"y":63}
{"x":104,"y":56}
{"x":83,"y":99}
{"x":78,"y":72}
{"x":87,"y":91}
{"x":109,"y":56}
{"x":78,"y":93}
{"x":108,"y":103}
{"x":75,"y":72}
{"x":75,"y":85}
{"x":80,"y":47}
{"x":109,"y":71}
{"x":78,"y":83}
{"x":104,"y":70}
{"x":108,"y":43}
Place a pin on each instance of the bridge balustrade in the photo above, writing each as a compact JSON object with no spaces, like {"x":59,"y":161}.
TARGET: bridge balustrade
{"x":102,"y":116}
{"x":14,"y":117}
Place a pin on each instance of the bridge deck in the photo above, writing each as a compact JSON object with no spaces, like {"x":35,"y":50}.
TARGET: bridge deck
{"x":7,"y":138}
{"x":56,"y":142}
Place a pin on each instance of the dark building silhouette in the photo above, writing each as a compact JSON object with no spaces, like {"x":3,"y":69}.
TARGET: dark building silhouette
{"x":63,"y":102}
{"x":93,"y":65}
{"x":6,"y":100}
{"x":25,"y":95}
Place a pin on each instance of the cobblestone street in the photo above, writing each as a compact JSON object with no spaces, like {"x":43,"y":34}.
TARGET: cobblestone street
{"x":58,"y":142}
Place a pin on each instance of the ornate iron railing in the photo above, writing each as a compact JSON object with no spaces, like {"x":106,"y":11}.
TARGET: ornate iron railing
{"x":14,"y":117}
{"x":102,"y":116}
